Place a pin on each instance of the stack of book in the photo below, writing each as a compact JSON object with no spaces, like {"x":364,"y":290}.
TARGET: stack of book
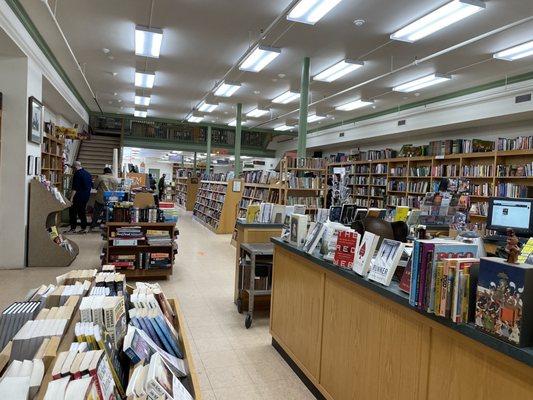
{"x":61,"y":294}
{"x":77,"y":275}
{"x":22,"y":379}
{"x":14,"y":317}
{"x":114,"y":282}
{"x":158,"y":238}
{"x":123,"y":261}
{"x":108,"y":312}
{"x":127,"y":236}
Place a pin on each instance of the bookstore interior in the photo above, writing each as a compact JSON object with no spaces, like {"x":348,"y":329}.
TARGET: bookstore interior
{"x":324,"y":199}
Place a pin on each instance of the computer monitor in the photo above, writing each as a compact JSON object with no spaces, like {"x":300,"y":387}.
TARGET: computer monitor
{"x":505,"y":212}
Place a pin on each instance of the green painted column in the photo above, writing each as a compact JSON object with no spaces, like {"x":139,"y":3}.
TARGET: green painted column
{"x":304,"y":105}
{"x":238,"y":133}
{"x":194,"y":164}
{"x":208,"y":151}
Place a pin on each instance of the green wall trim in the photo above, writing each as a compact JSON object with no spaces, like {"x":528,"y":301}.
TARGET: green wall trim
{"x":24,"y":18}
{"x":448,"y":96}
{"x":163,"y":144}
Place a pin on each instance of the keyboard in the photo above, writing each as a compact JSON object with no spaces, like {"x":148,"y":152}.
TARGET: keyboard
{"x":501,"y":239}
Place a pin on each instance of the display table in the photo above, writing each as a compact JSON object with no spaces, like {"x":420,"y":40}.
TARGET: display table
{"x":251,"y":233}
{"x":353,"y":339}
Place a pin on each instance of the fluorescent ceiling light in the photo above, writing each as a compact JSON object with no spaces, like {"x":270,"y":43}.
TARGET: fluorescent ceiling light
{"x":516,"y":52}
{"x":286,"y":97}
{"x":442,"y":17}
{"x":311,"y":11}
{"x":144,"y":79}
{"x":195,"y":118}
{"x":353,"y":105}
{"x":257,"y":113}
{"x":227,"y":89}
{"x":207,"y":106}
{"x":142,"y":101}
{"x":314,"y":118}
{"x":140,"y":114}
{"x":259,"y":58}
{"x":284,"y":128}
{"x":148,"y":41}
{"x":338,"y":70}
{"x":421,"y":83}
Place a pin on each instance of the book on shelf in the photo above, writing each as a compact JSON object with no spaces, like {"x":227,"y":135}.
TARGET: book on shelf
{"x":365,"y":252}
{"x":518,"y":143}
{"x":504,"y":298}
{"x":384,"y":265}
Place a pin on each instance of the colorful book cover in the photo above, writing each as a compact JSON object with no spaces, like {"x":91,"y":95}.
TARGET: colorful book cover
{"x":345,"y":250}
{"x":386,"y":261}
{"x":365,"y":252}
{"x":401,"y":213}
{"x":405,"y":282}
{"x":415,"y":267}
{"x":504,"y":301}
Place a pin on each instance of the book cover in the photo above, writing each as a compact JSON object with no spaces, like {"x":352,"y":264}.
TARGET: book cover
{"x":345,"y":249}
{"x":348,"y":214}
{"x":405,"y":282}
{"x":298,"y":229}
{"x":313,"y":237}
{"x":401,"y":213}
{"x":252,"y":213}
{"x":364,"y":253}
{"x":335,"y":213}
{"x":386,"y":261}
{"x":504,"y":301}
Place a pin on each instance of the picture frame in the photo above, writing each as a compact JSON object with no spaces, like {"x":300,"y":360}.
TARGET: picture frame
{"x":37,"y":166}
{"x":35,"y":121}
{"x":31,"y":165}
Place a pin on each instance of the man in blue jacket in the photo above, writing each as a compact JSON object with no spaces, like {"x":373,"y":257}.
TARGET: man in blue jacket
{"x":82,"y":183}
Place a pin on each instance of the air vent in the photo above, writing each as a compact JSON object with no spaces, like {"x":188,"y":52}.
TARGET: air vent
{"x":523,"y":98}
{"x":402,"y":122}
{"x":341,"y":134}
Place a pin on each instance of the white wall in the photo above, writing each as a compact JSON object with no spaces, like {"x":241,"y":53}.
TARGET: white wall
{"x":19,"y":79}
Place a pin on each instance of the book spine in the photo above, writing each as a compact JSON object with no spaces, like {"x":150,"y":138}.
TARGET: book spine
{"x":438,"y":289}
{"x":414,"y":274}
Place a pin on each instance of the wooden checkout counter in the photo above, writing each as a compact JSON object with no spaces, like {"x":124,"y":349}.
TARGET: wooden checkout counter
{"x":354,"y":339}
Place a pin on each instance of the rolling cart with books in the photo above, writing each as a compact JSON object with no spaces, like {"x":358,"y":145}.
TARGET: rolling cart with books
{"x":255,"y":275}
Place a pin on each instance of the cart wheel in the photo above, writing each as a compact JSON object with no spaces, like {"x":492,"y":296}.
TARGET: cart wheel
{"x":239,"y":305}
{"x":248,"y":321}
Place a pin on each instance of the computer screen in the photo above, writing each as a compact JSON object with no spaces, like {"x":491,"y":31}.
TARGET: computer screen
{"x":510,"y":213}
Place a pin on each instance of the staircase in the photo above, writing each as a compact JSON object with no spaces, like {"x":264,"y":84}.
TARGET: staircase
{"x":97,"y":152}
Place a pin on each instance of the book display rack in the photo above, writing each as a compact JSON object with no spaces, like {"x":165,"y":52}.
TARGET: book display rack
{"x":46,"y":247}
{"x":216,"y":204}
{"x":52,"y":159}
{"x":141,"y":250}
{"x":404,"y":181}
{"x":185,"y":192}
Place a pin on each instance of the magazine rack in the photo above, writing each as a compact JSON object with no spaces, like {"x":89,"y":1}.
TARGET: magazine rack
{"x":45,"y":212}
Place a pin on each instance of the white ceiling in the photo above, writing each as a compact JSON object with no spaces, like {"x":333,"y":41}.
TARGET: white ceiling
{"x":204,"y":38}
{"x":188,"y":155}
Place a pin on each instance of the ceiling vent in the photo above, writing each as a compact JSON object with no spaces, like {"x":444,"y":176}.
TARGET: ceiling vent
{"x":341,"y":134}
{"x":402,"y":122}
{"x":523,"y":98}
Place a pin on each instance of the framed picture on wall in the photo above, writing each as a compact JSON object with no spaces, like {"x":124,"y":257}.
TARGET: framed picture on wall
{"x":37,"y":166}
{"x":35,"y":121}
{"x":31,"y":165}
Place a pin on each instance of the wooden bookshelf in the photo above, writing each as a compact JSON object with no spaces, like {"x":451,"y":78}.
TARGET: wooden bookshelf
{"x":304,"y":182}
{"x":216,"y":204}
{"x":409,"y":178}
{"x":52,"y":159}
{"x":185,"y":192}
{"x":141,"y":247}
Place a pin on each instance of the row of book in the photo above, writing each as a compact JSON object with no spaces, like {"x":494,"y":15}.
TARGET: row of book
{"x":396,"y":186}
{"x":444,"y":147}
{"x":482,"y":170}
{"x":358,"y":180}
{"x":379,"y":168}
{"x":296,"y":182}
{"x":317,"y":202}
{"x":421,"y":171}
{"x":523,"y":170}
{"x":156,"y":237}
{"x":511,"y":190}
{"x":418,"y":187}
{"x":379,"y":181}
{"x":307,"y":162}
{"x":518,"y":143}
{"x":214,"y":205}
{"x":260,"y":176}
{"x":449,"y":170}
{"x":360,"y":169}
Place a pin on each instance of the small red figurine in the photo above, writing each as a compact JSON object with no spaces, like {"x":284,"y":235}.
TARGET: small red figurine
{"x":512,"y":247}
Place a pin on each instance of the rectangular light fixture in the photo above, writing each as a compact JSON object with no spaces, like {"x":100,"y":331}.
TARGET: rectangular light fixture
{"x":142,"y":101}
{"x":314,"y":118}
{"x":259,"y":58}
{"x":257,"y":113}
{"x":283,"y":128}
{"x":148,"y":41}
{"x":206,"y":106}
{"x":338,"y":70}
{"x":354,"y":105}
{"x":516,"y":52}
{"x":233,"y":123}
{"x":311,"y":11}
{"x":140,"y":113}
{"x":420,"y":83}
{"x":195,"y":118}
{"x":144,"y":79}
{"x":442,"y":17}
{"x":286,"y":97}
{"x":227,"y":89}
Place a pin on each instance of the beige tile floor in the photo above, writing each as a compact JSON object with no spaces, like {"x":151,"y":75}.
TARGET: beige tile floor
{"x":232,"y":362}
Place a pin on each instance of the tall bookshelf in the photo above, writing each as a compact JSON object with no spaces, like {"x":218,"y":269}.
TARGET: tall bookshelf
{"x":185,"y":192}
{"x":304,"y":182}
{"x":507,"y":173}
{"x":52,"y":159}
{"x":216,"y":204}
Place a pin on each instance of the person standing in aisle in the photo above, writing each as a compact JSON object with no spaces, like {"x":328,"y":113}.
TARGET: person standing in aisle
{"x":151,"y":182}
{"x":82,"y":183}
{"x":104,"y":183}
{"x":161,"y":186}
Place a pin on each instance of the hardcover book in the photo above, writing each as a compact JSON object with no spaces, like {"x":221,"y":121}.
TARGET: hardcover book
{"x":335,"y":213}
{"x":345,"y":249}
{"x":365,"y":252}
{"x":298,"y":229}
{"x":313,"y":237}
{"x":386,"y":261}
{"x":504,"y":301}
{"x":348,"y":214}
